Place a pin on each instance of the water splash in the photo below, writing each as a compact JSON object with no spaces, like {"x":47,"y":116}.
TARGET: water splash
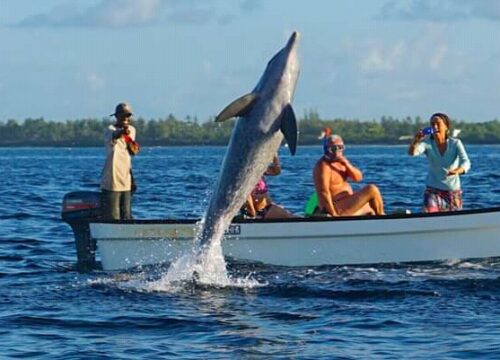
{"x":205,"y":264}
{"x":190,"y":272}
{"x":197,"y":267}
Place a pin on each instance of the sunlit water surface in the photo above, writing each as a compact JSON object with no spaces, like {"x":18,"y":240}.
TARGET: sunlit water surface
{"x":48,"y":310}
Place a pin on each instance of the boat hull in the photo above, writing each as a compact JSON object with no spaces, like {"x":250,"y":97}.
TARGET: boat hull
{"x":309,"y":242}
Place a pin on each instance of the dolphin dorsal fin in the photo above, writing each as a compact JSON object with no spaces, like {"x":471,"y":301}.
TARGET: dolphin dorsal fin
{"x":238,"y":107}
{"x":289,"y":128}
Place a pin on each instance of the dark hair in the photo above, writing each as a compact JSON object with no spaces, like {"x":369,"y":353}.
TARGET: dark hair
{"x":444,"y":117}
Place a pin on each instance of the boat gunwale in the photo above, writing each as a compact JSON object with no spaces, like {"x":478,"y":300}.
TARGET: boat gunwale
{"x":305,"y":219}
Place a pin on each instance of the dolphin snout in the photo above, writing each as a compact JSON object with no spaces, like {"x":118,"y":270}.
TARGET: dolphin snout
{"x":293,"y":38}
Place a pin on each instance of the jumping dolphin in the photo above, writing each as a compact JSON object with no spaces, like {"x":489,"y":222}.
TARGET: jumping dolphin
{"x":264,"y":116}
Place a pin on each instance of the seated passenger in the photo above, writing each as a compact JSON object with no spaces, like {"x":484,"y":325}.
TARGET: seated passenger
{"x":259,"y":204}
{"x":335,"y":194}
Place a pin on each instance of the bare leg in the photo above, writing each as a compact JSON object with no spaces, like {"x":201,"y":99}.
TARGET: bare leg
{"x":278,"y":212}
{"x":365,"y":210}
{"x":369,"y":195}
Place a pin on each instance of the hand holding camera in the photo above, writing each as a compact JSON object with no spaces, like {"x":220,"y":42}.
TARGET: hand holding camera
{"x":125,"y":130}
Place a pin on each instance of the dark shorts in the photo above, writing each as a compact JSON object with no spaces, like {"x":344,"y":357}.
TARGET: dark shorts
{"x":261,"y":214}
{"x":320,"y":212}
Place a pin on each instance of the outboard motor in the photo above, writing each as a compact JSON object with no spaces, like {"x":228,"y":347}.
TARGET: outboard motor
{"x":79,"y":207}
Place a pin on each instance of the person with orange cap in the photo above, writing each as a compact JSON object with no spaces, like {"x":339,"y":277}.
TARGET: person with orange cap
{"x":335,"y":195}
{"x":116,"y":178}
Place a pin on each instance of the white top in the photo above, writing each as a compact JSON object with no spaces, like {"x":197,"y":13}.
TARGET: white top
{"x":116,"y":172}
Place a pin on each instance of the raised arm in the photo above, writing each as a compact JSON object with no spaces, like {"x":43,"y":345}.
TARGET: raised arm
{"x":275,"y":168}
{"x":352,"y":171}
{"x":415,"y":147}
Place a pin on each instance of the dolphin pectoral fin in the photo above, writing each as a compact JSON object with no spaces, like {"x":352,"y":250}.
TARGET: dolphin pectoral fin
{"x":289,"y":128}
{"x":238,"y":107}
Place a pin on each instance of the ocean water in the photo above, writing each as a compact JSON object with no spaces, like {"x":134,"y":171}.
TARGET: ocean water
{"x":445,"y":310}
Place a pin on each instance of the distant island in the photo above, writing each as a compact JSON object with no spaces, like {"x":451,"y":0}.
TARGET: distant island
{"x":189,"y":131}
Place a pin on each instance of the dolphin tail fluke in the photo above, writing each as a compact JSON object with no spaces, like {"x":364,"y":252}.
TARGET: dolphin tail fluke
{"x":289,"y":128}
{"x":238,"y":107}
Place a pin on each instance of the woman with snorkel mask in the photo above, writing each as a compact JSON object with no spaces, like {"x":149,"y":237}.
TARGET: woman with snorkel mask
{"x":447,"y":161}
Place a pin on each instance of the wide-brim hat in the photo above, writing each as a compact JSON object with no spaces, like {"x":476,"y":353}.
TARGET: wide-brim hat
{"x":122,"y":109}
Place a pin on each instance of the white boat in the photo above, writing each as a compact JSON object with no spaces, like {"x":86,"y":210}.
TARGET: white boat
{"x":395,"y":238}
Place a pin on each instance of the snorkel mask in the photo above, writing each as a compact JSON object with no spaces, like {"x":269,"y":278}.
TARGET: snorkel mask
{"x":330,"y":148}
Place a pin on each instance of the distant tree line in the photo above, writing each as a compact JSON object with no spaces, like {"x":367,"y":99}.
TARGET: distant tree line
{"x":189,"y":131}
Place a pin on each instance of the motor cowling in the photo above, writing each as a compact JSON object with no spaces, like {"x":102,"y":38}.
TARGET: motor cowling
{"x":78,"y":209}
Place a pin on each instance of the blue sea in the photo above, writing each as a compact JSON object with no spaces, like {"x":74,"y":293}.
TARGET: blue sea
{"x":444,"y":310}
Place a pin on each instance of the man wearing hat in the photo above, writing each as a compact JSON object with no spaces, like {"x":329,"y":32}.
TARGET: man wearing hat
{"x":116,"y":177}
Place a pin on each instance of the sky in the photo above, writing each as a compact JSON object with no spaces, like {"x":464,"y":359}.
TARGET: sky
{"x":360,"y":59}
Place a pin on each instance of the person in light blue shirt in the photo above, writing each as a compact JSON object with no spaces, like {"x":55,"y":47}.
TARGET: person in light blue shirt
{"x":447,"y":161}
